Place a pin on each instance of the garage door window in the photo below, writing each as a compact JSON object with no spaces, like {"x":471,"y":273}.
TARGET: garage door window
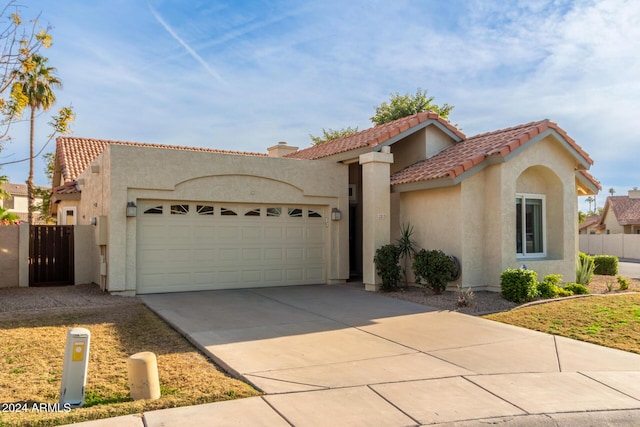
{"x":227,"y":212}
{"x":295,"y":212}
{"x":204,"y":209}
{"x":253,"y":212}
{"x":179,"y":209}
{"x":274,"y":212}
{"x":314,"y":214}
{"x":154,"y":211}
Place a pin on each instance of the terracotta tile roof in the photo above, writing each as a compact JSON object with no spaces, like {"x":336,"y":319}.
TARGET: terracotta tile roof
{"x":626,"y":209}
{"x":371,"y":137}
{"x":70,"y":187}
{"x":590,"y":221}
{"x":455,"y":160}
{"x":75,"y":154}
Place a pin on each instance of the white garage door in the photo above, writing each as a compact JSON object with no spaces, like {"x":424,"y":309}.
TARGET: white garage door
{"x":186,"y":246}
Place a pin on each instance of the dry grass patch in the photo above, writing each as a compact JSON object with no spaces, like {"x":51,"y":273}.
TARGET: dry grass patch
{"x":32,"y":351}
{"x":612,"y":320}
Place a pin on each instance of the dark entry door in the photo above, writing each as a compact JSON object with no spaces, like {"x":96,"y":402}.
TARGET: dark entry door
{"x":51,"y":255}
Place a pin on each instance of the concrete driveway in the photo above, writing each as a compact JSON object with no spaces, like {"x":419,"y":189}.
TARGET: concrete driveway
{"x":334,"y":355}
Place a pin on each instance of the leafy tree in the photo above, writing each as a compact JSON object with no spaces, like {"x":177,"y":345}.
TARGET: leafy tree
{"x":44,"y":194}
{"x":612,"y":191}
{"x":33,"y":89}
{"x":19,"y":41}
{"x":400,"y":106}
{"x":331,"y":134}
{"x":581,"y":217}
{"x":3,"y":193}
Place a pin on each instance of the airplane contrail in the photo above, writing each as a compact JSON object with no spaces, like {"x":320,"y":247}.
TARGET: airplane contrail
{"x":188,"y":48}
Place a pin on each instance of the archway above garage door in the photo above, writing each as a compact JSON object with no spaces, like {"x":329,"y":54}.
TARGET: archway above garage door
{"x":187,"y":246}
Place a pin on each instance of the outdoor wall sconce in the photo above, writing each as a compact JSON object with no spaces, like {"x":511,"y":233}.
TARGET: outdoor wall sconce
{"x":132,"y":209}
{"x":336,"y":215}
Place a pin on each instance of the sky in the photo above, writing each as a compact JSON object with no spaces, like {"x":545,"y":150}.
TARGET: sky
{"x":244,"y":75}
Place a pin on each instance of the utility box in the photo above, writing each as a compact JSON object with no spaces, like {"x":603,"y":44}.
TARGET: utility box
{"x":74,"y":369}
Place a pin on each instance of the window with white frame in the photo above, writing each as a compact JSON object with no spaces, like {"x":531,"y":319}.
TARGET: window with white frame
{"x":530,"y":225}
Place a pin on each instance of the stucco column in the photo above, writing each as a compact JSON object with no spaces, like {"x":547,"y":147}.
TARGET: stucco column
{"x":376,"y":207}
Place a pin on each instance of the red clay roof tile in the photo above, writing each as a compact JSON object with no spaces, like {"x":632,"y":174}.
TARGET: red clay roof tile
{"x":626,"y":209}
{"x":372,"y":136}
{"x":74,"y":154}
{"x":453,"y":161}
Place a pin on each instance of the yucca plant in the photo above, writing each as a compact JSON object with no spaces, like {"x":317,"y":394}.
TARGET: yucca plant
{"x":584,"y":269}
{"x":407,"y":248}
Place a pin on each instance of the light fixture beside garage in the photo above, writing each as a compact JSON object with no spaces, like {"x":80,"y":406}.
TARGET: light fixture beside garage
{"x":132,"y":209}
{"x":336,"y":215}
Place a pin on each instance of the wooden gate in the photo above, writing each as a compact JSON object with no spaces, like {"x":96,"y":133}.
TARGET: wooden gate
{"x":51,"y":255}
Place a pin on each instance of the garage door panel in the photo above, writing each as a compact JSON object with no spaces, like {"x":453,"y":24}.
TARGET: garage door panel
{"x":196,"y":252}
{"x":252,"y":276}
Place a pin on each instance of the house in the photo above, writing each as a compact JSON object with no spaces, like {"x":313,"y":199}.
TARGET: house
{"x":173,"y":218}
{"x":621,"y":214}
{"x":591,"y":225}
{"x":18,"y":203}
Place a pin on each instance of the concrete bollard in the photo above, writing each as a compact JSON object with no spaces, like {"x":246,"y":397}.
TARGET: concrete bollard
{"x":143,"y":376}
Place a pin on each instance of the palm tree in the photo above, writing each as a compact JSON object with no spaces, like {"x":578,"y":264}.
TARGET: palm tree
{"x":612,"y":191}
{"x":590,"y":200}
{"x":34,"y":82}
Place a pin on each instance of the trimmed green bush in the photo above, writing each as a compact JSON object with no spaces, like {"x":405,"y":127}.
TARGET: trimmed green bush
{"x":562,"y":292}
{"x":549,"y":288}
{"x":387,"y":266}
{"x":519,"y":285}
{"x":435,"y":268}
{"x":606,"y":265}
{"x":576,"y":289}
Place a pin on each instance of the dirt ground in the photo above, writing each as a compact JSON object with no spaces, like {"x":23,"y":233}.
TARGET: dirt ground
{"x":484,"y":302}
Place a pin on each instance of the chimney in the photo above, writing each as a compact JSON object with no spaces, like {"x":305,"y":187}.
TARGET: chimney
{"x":281,"y":149}
{"x":635,"y":193}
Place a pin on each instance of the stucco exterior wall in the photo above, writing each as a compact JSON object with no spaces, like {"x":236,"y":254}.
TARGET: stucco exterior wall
{"x":418,"y":146}
{"x":9,"y":256}
{"x":133,"y":173}
{"x":436,"y":216}
{"x":611,"y":224}
{"x":475,"y":219}
{"x":543,"y":167}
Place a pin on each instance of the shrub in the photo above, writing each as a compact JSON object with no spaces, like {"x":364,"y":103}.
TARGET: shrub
{"x":548,"y":288}
{"x":435,"y":268}
{"x":519,"y":285}
{"x":562,"y":292}
{"x":606,"y":264}
{"x":576,"y":289}
{"x":585,"y":268}
{"x":624,"y":283}
{"x":387,"y":267}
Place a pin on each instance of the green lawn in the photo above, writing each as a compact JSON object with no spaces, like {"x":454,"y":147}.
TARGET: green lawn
{"x":612,"y":320}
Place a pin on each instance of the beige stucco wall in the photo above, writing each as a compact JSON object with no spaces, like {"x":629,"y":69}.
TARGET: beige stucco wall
{"x":86,"y":254}
{"x":611,"y":223}
{"x":544,"y":167}
{"x":9,"y":255}
{"x":425,"y":143}
{"x":133,"y":173}
{"x":436,"y":216}
{"x":475,"y":219}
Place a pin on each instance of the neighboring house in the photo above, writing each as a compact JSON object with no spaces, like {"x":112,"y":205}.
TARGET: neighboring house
{"x":18,"y":203}
{"x":621,"y":214}
{"x":591,"y":225}
{"x":176,"y":219}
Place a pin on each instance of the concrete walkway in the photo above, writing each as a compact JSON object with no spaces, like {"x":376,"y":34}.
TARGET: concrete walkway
{"x":333,"y":356}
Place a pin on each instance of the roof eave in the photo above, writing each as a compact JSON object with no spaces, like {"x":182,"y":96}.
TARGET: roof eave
{"x":423,"y":185}
{"x":589,"y":189}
